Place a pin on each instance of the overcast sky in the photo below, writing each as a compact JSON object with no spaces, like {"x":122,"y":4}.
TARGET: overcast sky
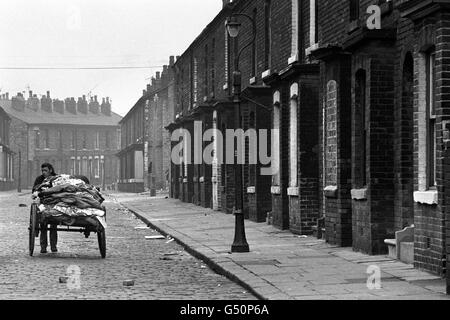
{"x":95,"y":33}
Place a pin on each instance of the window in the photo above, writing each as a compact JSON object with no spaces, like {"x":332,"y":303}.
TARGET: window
{"x":276,"y":143}
{"x":295,"y":31}
{"x":119,"y":135}
{"x":354,"y":10}
{"x":84,"y":167}
{"x":227,"y":55}
{"x":195,"y":81}
{"x":253,"y":57}
{"x":293,"y":136}
{"x":205,"y":85}
{"x":60,"y":139}
{"x":46,"y":139}
{"x":73,"y":166}
{"x":431,"y":118}
{"x":267,"y":30}
{"x":313,"y":22}
{"x":37,"y":139}
{"x":213,"y":69}
{"x":97,"y":167}
{"x":84,"y":144}
{"x":107,"y":139}
{"x":74,"y":139}
{"x":97,"y":140}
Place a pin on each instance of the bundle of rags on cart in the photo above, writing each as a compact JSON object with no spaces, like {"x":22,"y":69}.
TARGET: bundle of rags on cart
{"x":67,"y":200}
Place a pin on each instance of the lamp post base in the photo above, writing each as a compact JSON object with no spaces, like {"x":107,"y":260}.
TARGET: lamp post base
{"x":240,"y":242}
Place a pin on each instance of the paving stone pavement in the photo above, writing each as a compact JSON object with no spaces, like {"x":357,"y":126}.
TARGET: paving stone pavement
{"x":281,"y":265}
{"x":161,"y":269}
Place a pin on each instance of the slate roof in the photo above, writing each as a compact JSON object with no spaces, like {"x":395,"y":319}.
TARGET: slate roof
{"x":43,"y":117}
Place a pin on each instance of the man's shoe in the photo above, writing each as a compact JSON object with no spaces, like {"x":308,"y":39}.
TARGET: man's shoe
{"x":43,"y":250}
{"x":54,"y":250}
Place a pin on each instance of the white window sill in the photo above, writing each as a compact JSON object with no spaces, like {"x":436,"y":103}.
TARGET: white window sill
{"x":330,"y":191}
{"x":225,"y":86}
{"x":251,"y":190}
{"x":185,"y":180}
{"x":275,"y":190}
{"x":293,"y":58}
{"x":311,"y":49}
{"x":292,"y":191}
{"x":201,"y":179}
{"x":359,"y":194}
{"x":265,"y":74}
{"x":426,"y":197}
{"x":252,"y":80}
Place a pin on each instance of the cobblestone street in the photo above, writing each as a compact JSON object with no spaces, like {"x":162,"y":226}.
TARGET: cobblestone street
{"x":160,"y":268}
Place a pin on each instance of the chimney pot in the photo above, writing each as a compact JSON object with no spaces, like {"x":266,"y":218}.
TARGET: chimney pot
{"x":171,"y":60}
{"x":107,"y":99}
{"x":148,"y":87}
{"x":158,"y":75}
{"x":31,"y":93}
{"x":95,"y":98}
{"x":48,"y":94}
{"x":143,"y":92}
{"x":103,"y":100}
{"x":7,"y":95}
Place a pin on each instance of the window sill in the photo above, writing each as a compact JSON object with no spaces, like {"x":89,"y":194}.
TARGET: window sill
{"x":426,"y":197}
{"x":311,"y":49}
{"x":185,"y":180}
{"x":359,"y":194}
{"x":330,"y":191}
{"x":265,"y":74}
{"x":275,"y":190}
{"x":252,"y":80}
{"x":251,"y":190}
{"x":292,"y":191}
{"x":201,"y":179}
{"x":225,"y":86}
{"x":293,"y":58}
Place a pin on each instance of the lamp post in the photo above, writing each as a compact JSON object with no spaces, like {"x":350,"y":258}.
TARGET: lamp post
{"x":240,"y":243}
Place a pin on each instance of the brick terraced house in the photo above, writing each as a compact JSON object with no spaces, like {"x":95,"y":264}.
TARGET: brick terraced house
{"x":145,"y":145}
{"x":358,"y":92}
{"x":6,"y":154}
{"x":77,"y":137}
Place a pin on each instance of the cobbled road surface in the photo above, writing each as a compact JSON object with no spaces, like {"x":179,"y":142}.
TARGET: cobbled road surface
{"x":160,"y":269}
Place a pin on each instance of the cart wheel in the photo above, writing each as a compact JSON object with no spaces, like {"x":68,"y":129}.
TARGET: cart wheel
{"x":33,"y":227}
{"x":102,"y":242}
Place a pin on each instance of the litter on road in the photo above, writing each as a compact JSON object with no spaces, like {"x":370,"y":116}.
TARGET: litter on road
{"x":154,"y":237}
{"x":63,"y":279}
{"x":128,"y":283}
{"x":141,"y":228}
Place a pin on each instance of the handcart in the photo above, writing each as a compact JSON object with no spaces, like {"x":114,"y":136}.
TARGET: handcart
{"x":84,"y":225}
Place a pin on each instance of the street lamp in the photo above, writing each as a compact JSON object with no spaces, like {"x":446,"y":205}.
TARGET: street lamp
{"x":240,"y":243}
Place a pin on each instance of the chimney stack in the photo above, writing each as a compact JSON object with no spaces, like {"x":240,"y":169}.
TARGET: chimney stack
{"x":48,"y":94}
{"x":106,"y":107}
{"x":148,"y":88}
{"x":30,"y":93}
{"x":158,"y":75}
{"x":171,"y":60}
{"x":143,"y":92}
{"x":164,"y":68}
